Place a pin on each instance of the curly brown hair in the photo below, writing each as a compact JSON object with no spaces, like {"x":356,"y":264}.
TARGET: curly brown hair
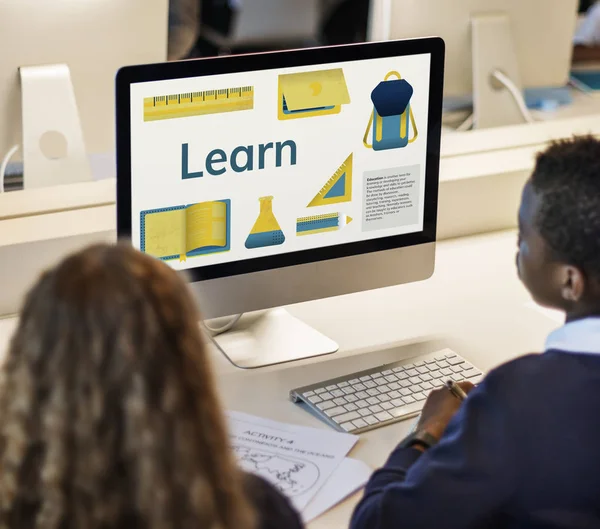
{"x":110,"y":416}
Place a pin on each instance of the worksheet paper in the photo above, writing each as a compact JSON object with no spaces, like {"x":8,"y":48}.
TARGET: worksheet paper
{"x":350,"y":476}
{"x":295,"y":459}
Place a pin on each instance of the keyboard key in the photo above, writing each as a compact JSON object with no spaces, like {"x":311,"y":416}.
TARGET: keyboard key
{"x":394,"y":386}
{"x":364,"y":412}
{"x":340,"y":401}
{"x":419,"y":363}
{"x":442,"y":363}
{"x":440,"y":358}
{"x":349,"y":390}
{"x":435,"y":374}
{"x":319,"y":391}
{"x":391,"y":378}
{"x":337,"y":393}
{"x":353,"y":381}
{"x":405,"y":383}
{"x":456,"y":369}
{"x":309,"y":394}
{"x":376,"y":409}
{"x":430,"y":361}
{"x":412,"y":372}
{"x":332,"y":412}
{"x":476,"y":380}
{"x":408,"y":399}
{"x":471,"y":373}
{"x":370,"y":384}
{"x":387,"y":372}
{"x":350,"y":416}
{"x":394,"y":394}
{"x":383,"y":416}
{"x":415,"y":380}
{"x":351,"y":407}
{"x":362,"y":394}
{"x":360,"y":423}
{"x":332,"y":387}
{"x":373,"y":400}
{"x":372,"y":392}
{"x":403,"y":375}
{"x":419,"y":395}
{"x":455,"y":361}
{"x":359,"y":387}
{"x":427,"y":386}
{"x":422,"y":370}
{"x":450,"y":355}
{"x":398,"y":369}
{"x":365,"y":378}
{"x":343,"y":384}
{"x":383,"y":398}
{"x":371,"y":420}
{"x":406,"y":410}
{"x":326,"y":396}
{"x":384,"y":388}
{"x":326,"y":405}
{"x":426,"y":377}
{"x":315,"y":399}
{"x":351,"y":398}
{"x":405,"y":392}
{"x":398,"y":403}
{"x":348,"y":426}
{"x":362,"y":404}
{"x":447,"y":372}
{"x":387,"y":405}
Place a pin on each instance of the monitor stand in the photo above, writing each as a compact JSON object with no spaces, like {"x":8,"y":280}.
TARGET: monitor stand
{"x":493,"y":49}
{"x":272,"y":337}
{"x":53,"y":147}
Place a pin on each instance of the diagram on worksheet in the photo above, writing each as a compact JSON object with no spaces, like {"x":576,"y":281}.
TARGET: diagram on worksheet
{"x":291,"y":476}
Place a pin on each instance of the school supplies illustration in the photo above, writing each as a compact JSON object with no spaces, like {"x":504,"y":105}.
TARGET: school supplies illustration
{"x":266,"y":230}
{"x":310,"y":94}
{"x":198,"y":103}
{"x":322,"y":223}
{"x":186,"y":231}
{"x":392,"y":117}
{"x":338,"y":188}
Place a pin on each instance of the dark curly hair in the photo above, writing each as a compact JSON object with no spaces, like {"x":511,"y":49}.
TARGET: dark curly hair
{"x":566,"y":180}
{"x":110,"y":417}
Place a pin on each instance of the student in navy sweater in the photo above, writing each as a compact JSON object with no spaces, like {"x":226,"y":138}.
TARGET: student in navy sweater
{"x":523,"y":450}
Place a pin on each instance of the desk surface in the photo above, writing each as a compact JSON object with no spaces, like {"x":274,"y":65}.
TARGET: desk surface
{"x":474,"y":304}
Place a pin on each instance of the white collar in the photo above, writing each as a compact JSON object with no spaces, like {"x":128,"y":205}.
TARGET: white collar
{"x":580,"y":336}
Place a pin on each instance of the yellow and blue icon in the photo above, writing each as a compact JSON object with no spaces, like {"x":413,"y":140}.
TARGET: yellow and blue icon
{"x":392,"y":120}
{"x":310,"y":94}
{"x":322,"y":223}
{"x":338,"y":188}
{"x":266,"y":230}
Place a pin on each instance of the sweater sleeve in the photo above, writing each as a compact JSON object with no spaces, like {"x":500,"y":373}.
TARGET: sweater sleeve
{"x":273,"y":508}
{"x":462,"y":482}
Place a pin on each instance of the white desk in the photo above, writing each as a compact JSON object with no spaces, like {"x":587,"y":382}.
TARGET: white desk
{"x":473,"y":304}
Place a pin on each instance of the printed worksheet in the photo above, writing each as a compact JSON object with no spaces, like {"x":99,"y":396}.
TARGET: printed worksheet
{"x":295,"y":459}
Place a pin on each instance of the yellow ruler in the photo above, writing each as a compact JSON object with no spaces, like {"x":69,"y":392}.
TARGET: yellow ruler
{"x":198,"y":103}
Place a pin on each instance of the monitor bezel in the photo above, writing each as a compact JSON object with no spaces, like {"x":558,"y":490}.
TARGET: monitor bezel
{"x":129,"y":75}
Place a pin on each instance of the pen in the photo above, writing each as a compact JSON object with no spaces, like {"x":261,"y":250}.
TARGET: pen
{"x":456,"y":390}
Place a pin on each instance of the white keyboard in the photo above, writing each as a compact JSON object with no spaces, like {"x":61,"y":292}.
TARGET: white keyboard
{"x":384,"y":395}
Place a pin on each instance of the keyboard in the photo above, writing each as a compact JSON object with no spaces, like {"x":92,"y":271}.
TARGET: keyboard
{"x":384,"y":395}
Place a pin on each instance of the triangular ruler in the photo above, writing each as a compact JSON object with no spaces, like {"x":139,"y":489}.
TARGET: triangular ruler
{"x":338,"y":188}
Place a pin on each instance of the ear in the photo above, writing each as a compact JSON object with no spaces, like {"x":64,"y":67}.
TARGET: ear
{"x":573,"y":284}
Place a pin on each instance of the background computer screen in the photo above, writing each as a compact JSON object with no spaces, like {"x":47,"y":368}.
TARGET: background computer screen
{"x":238,"y":166}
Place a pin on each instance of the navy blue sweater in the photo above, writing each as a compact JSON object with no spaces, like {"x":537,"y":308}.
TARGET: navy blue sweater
{"x":522,"y":452}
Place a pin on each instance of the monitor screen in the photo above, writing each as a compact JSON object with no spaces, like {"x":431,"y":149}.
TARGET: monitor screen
{"x":237,"y":166}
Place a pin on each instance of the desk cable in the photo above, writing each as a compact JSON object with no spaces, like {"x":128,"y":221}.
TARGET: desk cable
{"x":11,"y":152}
{"x":516,"y":94}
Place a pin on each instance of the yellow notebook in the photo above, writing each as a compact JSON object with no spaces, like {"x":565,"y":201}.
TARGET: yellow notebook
{"x":309,"y":94}
{"x":180,"y":232}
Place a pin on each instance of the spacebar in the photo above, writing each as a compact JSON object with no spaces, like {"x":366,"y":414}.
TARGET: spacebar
{"x":408,"y":409}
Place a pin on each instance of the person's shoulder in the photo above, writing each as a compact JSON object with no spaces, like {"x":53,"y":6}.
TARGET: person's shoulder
{"x":274,"y":510}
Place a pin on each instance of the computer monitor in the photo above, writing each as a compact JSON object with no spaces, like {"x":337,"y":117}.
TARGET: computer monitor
{"x":280,"y":178}
{"x":86,"y":41}
{"x":529,"y":41}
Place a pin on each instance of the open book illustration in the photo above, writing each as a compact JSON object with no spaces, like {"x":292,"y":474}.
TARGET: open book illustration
{"x":186,"y":231}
